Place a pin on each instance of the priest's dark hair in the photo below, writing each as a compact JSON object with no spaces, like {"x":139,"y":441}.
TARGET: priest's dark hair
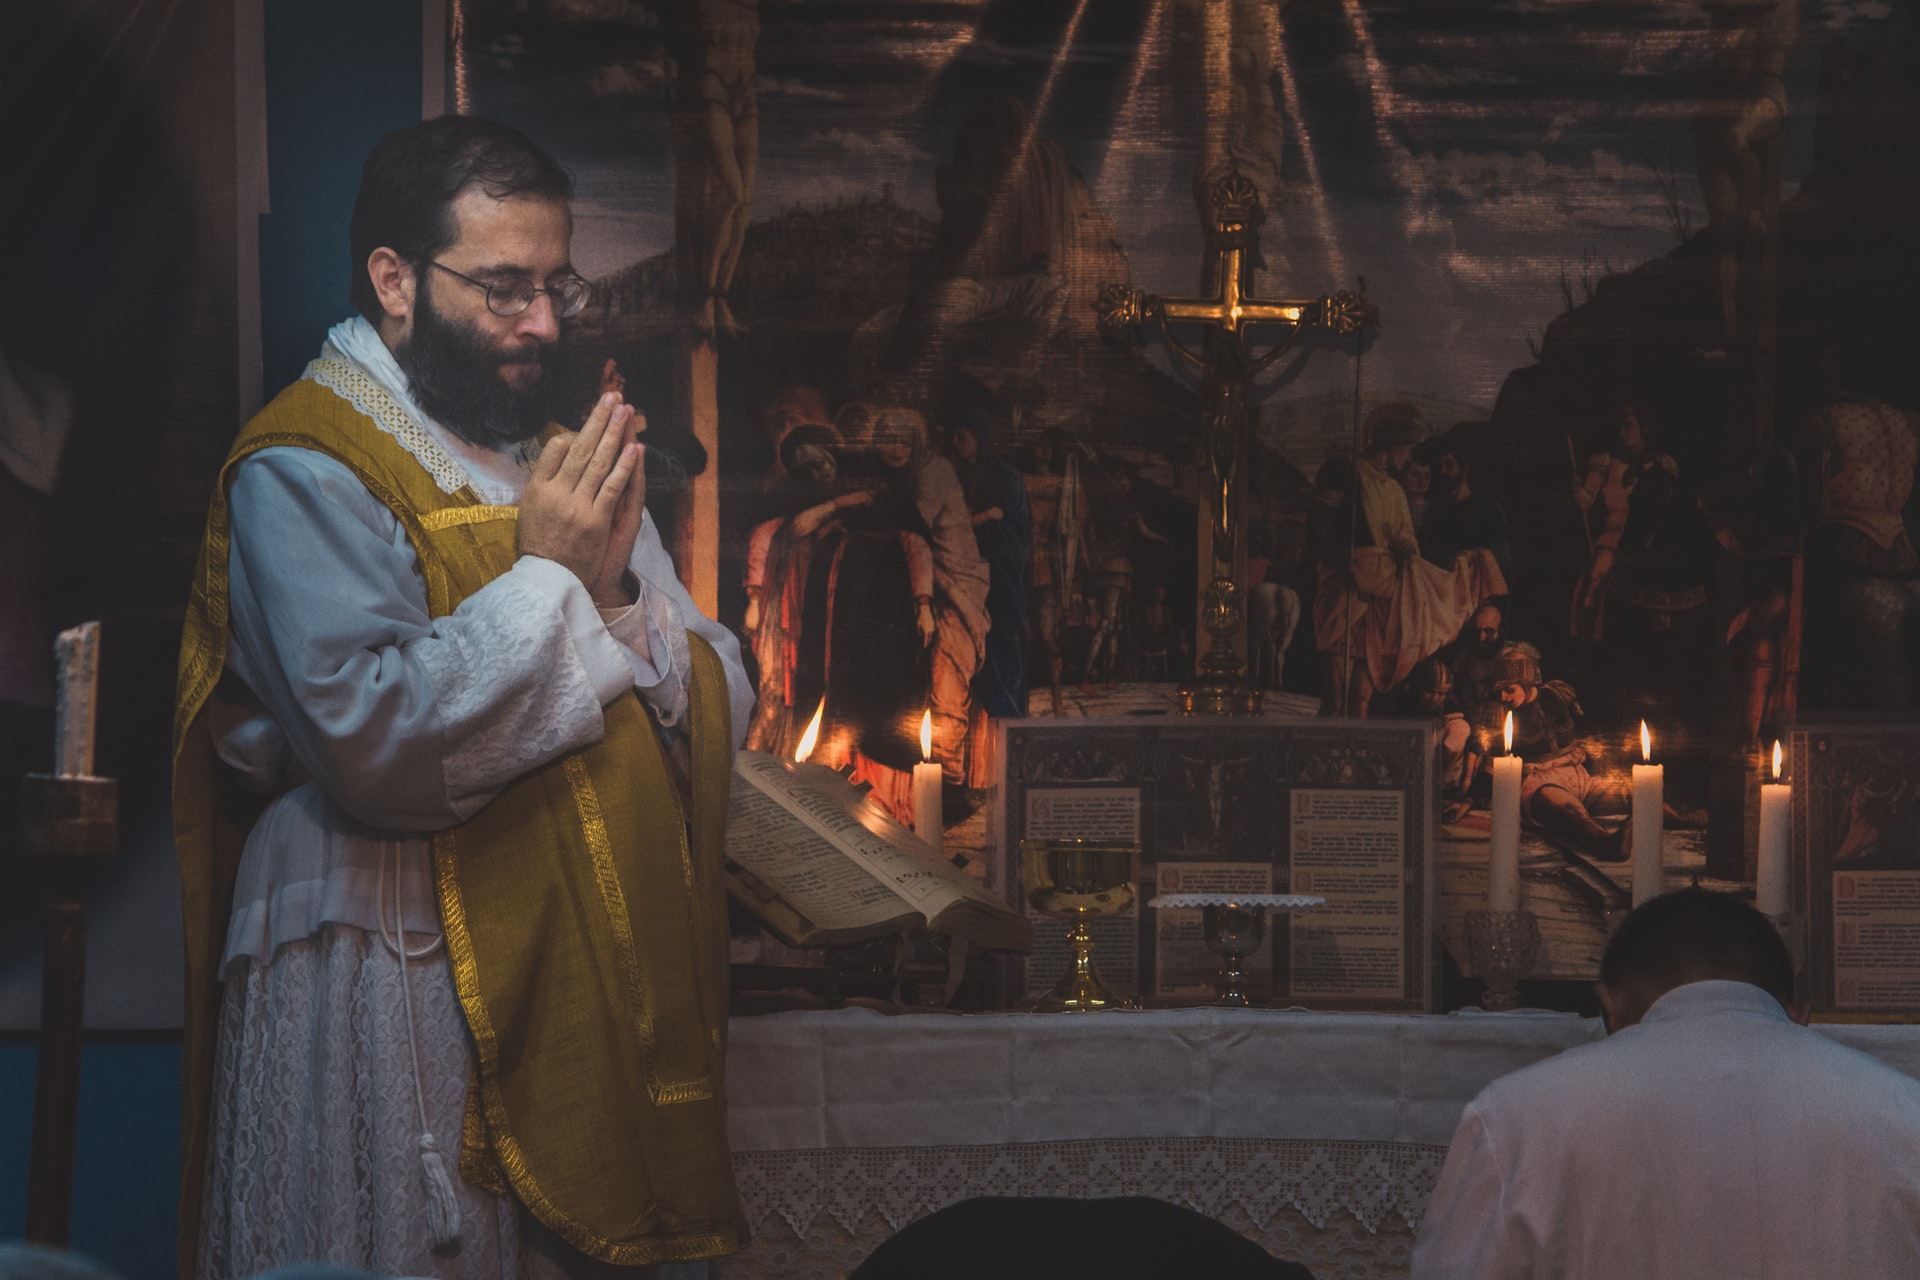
{"x":413,"y":175}
{"x":1694,"y":935}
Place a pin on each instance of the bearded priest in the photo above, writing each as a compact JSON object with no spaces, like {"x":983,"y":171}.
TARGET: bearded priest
{"x":451,"y":761}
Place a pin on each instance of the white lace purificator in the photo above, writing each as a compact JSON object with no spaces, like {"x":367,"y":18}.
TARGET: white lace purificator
{"x":1262,"y":901}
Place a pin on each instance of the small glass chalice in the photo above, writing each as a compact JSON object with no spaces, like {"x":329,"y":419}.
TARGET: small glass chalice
{"x":1079,"y":880}
{"x":1235,"y":925}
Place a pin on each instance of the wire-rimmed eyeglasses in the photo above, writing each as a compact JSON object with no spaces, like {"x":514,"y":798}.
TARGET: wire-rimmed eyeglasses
{"x":512,"y":296}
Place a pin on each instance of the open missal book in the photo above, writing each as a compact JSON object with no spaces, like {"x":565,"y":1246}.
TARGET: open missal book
{"x":817,"y":864}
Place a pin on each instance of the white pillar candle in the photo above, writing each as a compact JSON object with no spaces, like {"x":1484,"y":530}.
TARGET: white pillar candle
{"x":1771,"y":885}
{"x":77,"y":657}
{"x":1503,"y":854}
{"x":926,"y":788}
{"x":1649,"y":784}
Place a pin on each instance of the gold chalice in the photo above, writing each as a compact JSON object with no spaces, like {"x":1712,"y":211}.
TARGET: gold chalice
{"x":1079,"y":880}
{"x":1235,"y":925}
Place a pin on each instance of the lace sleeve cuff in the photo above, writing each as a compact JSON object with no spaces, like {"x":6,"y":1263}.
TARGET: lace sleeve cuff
{"x":654,"y":641}
{"x":602,"y":658}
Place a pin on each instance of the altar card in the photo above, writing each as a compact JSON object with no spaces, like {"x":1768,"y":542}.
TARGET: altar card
{"x":1342,"y":809}
{"x":1345,"y":845}
{"x":1856,"y":881}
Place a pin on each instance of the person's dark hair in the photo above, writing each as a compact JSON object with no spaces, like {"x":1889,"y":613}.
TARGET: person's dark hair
{"x":413,"y":175}
{"x":1642,"y":412}
{"x":1694,"y":935}
{"x":1057,"y":443}
{"x":1434,"y":448}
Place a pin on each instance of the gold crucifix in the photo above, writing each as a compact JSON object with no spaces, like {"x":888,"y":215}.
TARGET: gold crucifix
{"x":1227,"y":368}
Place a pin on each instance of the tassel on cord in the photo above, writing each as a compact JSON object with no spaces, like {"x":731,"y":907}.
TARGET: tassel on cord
{"x":443,"y":1206}
{"x":443,"y":1210}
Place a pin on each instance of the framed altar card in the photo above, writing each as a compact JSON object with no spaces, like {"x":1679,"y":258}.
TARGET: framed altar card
{"x":1342,"y":809}
{"x":1856,"y":882}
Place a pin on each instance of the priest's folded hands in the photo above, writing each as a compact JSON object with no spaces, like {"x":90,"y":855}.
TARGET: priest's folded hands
{"x":583,"y":503}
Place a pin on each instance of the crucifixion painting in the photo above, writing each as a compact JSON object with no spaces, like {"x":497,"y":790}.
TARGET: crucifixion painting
{"x":1620,"y":423}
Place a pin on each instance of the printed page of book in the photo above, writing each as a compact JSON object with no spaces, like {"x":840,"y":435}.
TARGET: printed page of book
{"x":835,"y":810}
{"x":814,"y":875}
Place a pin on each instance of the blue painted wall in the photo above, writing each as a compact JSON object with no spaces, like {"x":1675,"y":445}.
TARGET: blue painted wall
{"x":339,"y":75}
{"x":126,"y":1177}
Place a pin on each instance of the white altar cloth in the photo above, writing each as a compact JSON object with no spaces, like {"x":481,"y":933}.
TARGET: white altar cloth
{"x":1320,"y":1135}
{"x":854,"y":1078}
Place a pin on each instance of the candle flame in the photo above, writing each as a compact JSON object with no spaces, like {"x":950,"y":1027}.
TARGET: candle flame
{"x":812,"y":735}
{"x":1776,"y":759}
{"x":1509,"y":733}
{"x":926,"y":735}
{"x":1646,"y":742}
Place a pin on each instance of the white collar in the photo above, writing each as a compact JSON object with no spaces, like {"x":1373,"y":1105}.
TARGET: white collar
{"x":1713,"y":996}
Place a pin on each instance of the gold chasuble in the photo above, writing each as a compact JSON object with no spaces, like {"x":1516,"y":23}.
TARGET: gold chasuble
{"x":584,"y":917}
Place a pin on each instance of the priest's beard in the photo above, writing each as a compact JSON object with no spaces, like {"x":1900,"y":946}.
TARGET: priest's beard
{"x":454,"y":372}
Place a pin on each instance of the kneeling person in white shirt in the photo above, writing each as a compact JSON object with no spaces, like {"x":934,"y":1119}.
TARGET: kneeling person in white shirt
{"x":1708,"y":1135}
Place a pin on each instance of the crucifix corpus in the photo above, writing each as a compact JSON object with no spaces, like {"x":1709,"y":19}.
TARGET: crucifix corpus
{"x":1227,"y":363}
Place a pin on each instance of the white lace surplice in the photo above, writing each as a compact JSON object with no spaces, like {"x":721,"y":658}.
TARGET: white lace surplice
{"x":406,"y":725}
{"x":313,"y":1157}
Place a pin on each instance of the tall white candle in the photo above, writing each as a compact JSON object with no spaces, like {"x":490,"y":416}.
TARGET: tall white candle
{"x":926,"y":788}
{"x":1649,"y":785}
{"x":77,"y":656}
{"x":1772,"y":893}
{"x":1503,"y":854}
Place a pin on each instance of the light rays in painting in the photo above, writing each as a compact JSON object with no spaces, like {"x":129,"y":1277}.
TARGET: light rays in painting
{"x":1059,"y":61}
{"x":940,"y":52}
{"x":1316,"y":193}
{"x":1386,"y":113}
{"x":1005,"y":203}
{"x":1129,"y":135}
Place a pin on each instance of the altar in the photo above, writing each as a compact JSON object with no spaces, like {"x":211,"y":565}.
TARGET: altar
{"x":1319,"y":1135}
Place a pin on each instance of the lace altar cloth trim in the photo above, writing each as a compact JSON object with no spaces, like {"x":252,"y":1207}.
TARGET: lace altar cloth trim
{"x":1378,"y":1183}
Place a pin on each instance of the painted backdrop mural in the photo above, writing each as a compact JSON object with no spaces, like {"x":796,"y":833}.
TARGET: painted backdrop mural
{"x":1633,"y":438}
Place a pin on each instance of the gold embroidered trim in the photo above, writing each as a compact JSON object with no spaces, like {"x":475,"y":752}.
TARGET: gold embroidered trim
{"x":506,"y":1151}
{"x":351,"y":383}
{"x":451,"y":517}
{"x":477,"y":1164}
{"x":710,"y":731}
{"x":614,"y":899}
